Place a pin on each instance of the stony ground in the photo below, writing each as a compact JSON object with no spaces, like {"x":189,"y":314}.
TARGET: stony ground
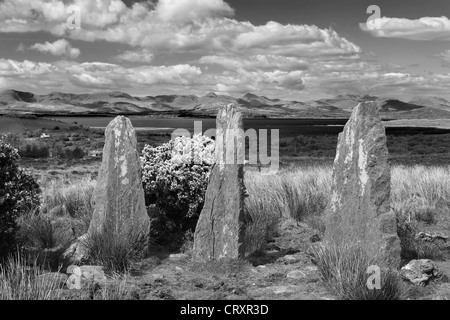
{"x":284,"y":272}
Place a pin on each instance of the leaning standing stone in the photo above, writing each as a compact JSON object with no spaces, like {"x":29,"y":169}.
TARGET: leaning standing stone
{"x":119,"y":203}
{"x":359,"y":212}
{"x":221,"y":229}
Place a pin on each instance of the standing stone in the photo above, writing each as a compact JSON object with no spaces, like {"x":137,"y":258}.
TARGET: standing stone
{"x":220,"y":229}
{"x":359,"y":212}
{"x":119,"y":203}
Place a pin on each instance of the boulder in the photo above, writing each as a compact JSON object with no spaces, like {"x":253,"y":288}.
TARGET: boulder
{"x":421,"y":272}
{"x":359,"y":212}
{"x":76,"y":253}
{"x":220,"y":229}
{"x":118,"y":201}
{"x":84,"y":276}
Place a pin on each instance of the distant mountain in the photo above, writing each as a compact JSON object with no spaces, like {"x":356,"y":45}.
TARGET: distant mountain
{"x":252,"y":105}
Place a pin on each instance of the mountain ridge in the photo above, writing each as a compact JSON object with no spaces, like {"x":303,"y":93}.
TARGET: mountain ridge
{"x":252,"y":105}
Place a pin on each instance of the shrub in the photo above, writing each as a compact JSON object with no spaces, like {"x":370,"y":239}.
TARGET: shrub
{"x":18,"y":194}
{"x":175,"y":178}
{"x":411,"y":246}
{"x":343,"y":269}
{"x":35,"y":151}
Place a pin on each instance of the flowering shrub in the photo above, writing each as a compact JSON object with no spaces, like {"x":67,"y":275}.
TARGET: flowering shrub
{"x":175,"y":177}
{"x":18,"y":193}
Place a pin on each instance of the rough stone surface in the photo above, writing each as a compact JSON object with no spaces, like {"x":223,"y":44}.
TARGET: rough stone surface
{"x":76,"y":253}
{"x":178,"y":257}
{"x":85,"y":275}
{"x":359,"y":211}
{"x":220,"y":229}
{"x":421,"y":272}
{"x":119,"y":202}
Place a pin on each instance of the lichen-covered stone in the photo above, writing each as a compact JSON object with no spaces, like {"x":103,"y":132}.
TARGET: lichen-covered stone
{"x":118,"y":200}
{"x":359,"y":211}
{"x":220,"y":229}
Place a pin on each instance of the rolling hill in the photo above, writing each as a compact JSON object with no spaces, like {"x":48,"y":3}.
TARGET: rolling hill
{"x":252,"y":105}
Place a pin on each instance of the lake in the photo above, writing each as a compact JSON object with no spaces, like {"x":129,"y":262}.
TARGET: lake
{"x":287,"y":127}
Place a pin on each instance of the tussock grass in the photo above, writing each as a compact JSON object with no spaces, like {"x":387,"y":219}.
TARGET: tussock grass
{"x":71,"y":198}
{"x":20,"y":282}
{"x":343,"y":269}
{"x":116,"y":252}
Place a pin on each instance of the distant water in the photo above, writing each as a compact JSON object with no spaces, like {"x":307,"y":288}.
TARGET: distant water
{"x":287,"y":127}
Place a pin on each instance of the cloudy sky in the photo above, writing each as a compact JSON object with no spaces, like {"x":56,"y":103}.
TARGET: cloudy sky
{"x":290,"y":49}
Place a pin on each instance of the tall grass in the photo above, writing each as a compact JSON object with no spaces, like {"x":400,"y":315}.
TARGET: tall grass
{"x":68,"y":198}
{"x":343,"y":269}
{"x":116,"y":252}
{"x":20,"y":282}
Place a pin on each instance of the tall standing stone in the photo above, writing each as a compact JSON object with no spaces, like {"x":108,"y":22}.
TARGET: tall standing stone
{"x":119,"y":202}
{"x":359,"y":212}
{"x":220,"y":229}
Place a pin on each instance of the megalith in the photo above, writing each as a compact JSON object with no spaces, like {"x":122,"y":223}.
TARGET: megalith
{"x":220,"y":229}
{"x":118,"y":201}
{"x":359,"y":212}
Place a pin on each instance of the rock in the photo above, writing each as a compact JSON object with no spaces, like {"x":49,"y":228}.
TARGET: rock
{"x":288,"y":259}
{"x":157,"y":276}
{"x":76,"y":253}
{"x":435,"y":237}
{"x":282,"y":289}
{"x":118,"y":200}
{"x":421,"y":272}
{"x":296,"y":274}
{"x":220,"y":229}
{"x":315,"y":238}
{"x":85,"y":275}
{"x":53,"y":279}
{"x":178,"y":257}
{"x":359,"y":210}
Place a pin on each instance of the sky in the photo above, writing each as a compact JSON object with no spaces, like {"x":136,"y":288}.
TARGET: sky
{"x":286,"y":49}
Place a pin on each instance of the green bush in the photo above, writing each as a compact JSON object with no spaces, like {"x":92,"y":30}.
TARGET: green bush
{"x":175,"y":178}
{"x":18,"y":194}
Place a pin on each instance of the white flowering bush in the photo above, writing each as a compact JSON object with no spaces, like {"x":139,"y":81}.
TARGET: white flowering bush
{"x":175,"y":177}
{"x":19,"y":192}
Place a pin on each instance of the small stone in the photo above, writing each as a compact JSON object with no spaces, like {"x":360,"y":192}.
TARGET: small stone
{"x":282,"y":289}
{"x":288,"y":259}
{"x":296,"y":274}
{"x":157,"y":276}
{"x":421,"y":272}
{"x":178,"y":257}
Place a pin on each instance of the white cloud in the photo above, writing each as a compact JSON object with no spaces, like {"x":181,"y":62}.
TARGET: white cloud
{"x":142,"y":56}
{"x":60,"y":47}
{"x":10,"y":67}
{"x":201,"y":26}
{"x":191,"y":10}
{"x":256,"y":62}
{"x":426,"y":28}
